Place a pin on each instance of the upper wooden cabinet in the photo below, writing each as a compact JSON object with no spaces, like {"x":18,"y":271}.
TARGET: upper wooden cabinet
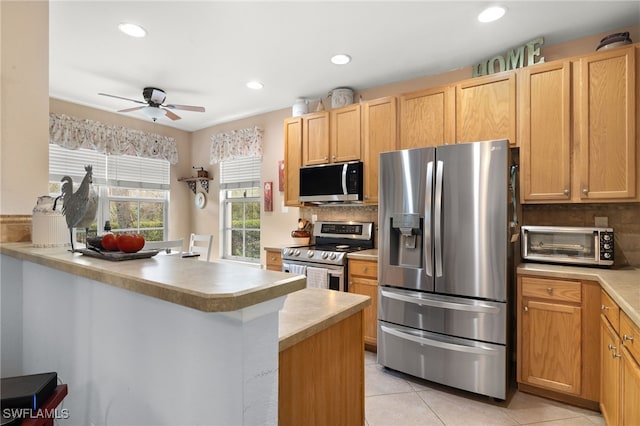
{"x":332,"y":136}
{"x":607,"y":142}
{"x":486,"y":108}
{"x":292,"y":160}
{"x":427,"y":118}
{"x":315,"y":138}
{"x":379,"y":118}
{"x":544,"y":94}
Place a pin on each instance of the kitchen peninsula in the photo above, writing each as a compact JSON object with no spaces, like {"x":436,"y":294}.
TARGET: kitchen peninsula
{"x":163,"y":340}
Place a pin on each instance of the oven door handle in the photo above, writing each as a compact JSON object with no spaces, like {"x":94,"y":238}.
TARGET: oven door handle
{"x":481,"y":307}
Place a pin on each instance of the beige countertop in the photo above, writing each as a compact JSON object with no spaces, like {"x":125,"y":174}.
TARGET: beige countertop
{"x":371,"y":254}
{"x":622,"y":284}
{"x":205,"y":286}
{"x":309,"y":311}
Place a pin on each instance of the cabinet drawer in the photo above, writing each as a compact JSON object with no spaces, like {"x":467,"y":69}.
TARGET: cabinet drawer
{"x":363,"y":268}
{"x":630,"y":334}
{"x":544,"y":288}
{"x":610,"y":310}
{"x":274,"y":260}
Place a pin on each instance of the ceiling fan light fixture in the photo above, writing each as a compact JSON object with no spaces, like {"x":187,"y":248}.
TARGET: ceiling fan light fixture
{"x":132,"y":30}
{"x":491,"y":14}
{"x":341,"y":59}
{"x":255,"y":85}
{"x":153,"y":112}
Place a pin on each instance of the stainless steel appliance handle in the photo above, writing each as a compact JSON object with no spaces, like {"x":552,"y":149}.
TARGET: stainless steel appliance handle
{"x":344,"y":178}
{"x":428,"y":252}
{"x":438,"y":218}
{"x":439,"y":303}
{"x":439,"y":344}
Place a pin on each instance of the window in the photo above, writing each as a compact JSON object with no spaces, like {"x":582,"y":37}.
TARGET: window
{"x":240,"y":195}
{"x":133,"y":191}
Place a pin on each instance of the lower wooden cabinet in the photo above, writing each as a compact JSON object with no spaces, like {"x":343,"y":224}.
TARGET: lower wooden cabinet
{"x":620,"y":369}
{"x":557,"y":350}
{"x":363,"y":279}
{"x":274,"y":259}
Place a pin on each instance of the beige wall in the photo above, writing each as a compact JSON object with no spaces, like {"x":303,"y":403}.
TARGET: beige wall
{"x":24,"y":94}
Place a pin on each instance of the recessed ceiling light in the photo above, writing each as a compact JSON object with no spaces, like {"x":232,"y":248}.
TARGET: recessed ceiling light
{"x":255,"y":85}
{"x":341,"y":59}
{"x":132,"y":30}
{"x":491,"y":14}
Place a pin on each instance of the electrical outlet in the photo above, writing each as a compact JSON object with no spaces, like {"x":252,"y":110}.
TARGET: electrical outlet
{"x":314,"y":218}
{"x":601,"y":221}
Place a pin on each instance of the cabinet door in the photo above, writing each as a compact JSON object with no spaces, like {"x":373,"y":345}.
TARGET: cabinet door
{"x":486,"y":108}
{"x":630,"y":390}
{"x":427,"y":118}
{"x":368,"y":288}
{"x":292,"y":160}
{"x":607,"y":124}
{"x":315,"y":138}
{"x":345,"y":138}
{"x":609,"y":374}
{"x":551,"y":345}
{"x":545,"y":132}
{"x":274,"y":260}
{"x":379,"y":135}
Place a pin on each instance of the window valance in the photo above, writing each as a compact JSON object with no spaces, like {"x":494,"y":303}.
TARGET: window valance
{"x":74,"y":133}
{"x":236,"y":144}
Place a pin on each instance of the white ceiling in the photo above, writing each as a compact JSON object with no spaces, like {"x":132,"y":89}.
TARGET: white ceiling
{"x":202,"y":53}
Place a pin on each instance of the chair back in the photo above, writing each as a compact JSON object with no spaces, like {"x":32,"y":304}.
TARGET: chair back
{"x":201,"y":243}
{"x":169,"y":246}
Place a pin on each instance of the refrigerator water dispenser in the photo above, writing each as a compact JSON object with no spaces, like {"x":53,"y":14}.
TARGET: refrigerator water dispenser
{"x":406,"y":236}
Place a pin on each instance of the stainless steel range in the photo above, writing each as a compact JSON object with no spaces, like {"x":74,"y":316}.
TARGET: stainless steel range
{"x":325,"y":262}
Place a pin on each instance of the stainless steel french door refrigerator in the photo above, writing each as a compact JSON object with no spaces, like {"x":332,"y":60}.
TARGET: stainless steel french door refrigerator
{"x":445,"y":267}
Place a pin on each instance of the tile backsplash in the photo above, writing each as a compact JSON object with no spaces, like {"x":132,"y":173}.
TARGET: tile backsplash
{"x":623,"y":218}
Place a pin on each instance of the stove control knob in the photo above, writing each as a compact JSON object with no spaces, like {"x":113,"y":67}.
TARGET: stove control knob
{"x":310,"y":254}
{"x":297,"y":252}
{"x":325,"y":255}
{"x":333,"y":256}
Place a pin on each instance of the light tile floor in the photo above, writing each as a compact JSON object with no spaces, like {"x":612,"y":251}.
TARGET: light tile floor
{"x":396,"y":399}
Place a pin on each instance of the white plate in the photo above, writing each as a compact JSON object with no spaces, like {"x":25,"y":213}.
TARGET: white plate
{"x":200,"y":200}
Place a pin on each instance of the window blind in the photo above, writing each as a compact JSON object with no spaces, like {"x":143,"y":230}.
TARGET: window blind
{"x":240,"y":173}
{"x":115,"y":170}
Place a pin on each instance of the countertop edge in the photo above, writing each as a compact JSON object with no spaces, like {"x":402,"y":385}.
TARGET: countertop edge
{"x":605,"y":277}
{"x":183,"y":297}
{"x":371,"y":254}
{"x":321,"y":323}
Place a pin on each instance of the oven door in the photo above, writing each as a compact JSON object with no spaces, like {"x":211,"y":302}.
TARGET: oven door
{"x":335,"y":273}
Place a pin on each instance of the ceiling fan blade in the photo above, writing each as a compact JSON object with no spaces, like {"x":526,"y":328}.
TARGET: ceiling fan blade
{"x":185,"y":107}
{"x":120,"y":97}
{"x":131,"y":109}
{"x":171,"y":114}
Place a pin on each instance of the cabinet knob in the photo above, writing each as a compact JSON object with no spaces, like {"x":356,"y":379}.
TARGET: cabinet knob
{"x":615,"y":355}
{"x":526,"y":309}
{"x":626,"y":338}
{"x":273,"y":258}
{"x":325,"y":158}
{"x":565,"y":192}
{"x":611,"y":347}
{"x":364,"y":269}
{"x":604,"y":308}
{"x":549,"y":290}
{"x":585,"y":191}
{"x":333,"y":156}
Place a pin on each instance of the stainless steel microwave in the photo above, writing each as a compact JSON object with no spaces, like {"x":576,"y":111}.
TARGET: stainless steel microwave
{"x":570,"y":245}
{"x":329,"y":183}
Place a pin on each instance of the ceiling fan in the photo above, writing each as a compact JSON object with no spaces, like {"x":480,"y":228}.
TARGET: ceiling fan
{"x":154,"y":107}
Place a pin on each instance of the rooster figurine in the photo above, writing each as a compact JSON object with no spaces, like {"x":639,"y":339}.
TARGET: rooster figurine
{"x":79,"y":208}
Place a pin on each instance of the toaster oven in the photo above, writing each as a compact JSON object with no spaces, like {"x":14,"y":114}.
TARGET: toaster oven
{"x":571,"y":245}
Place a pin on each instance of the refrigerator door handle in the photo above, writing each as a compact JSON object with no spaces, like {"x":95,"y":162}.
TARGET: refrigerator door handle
{"x":438,"y":218}
{"x":438,"y":344}
{"x":441,"y":304}
{"x":428,"y":252}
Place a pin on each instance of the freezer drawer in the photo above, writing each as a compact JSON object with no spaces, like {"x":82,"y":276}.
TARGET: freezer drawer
{"x":455,"y":316}
{"x":460,"y":363}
